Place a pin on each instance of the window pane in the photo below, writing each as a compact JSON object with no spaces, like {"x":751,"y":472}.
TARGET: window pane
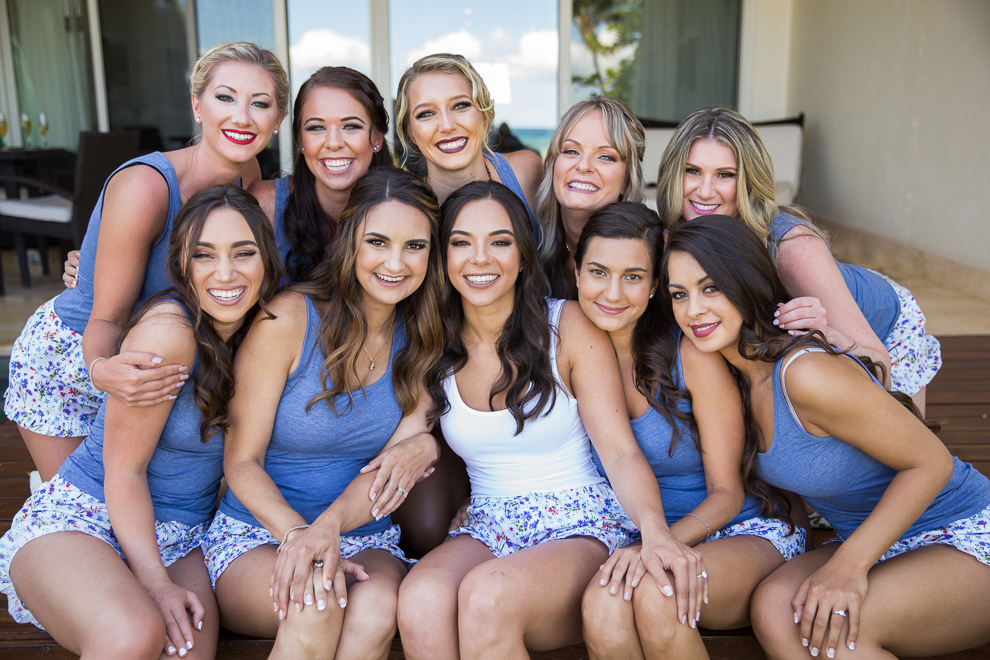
{"x":328,"y":33}
{"x":512,"y":43}
{"x":219,"y":21}
{"x":686,"y":60}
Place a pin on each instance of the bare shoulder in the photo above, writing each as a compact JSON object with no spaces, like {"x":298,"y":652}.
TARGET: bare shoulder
{"x":528,"y":168}
{"x":288,"y":308}
{"x":164,"y":330}
{"x":801,"y":243}
{"x":700,"y":363}
{"x":139,"y":189}
{"x":265,"y":193}
{"x":818,"y":379}
{"x":577,"y":333}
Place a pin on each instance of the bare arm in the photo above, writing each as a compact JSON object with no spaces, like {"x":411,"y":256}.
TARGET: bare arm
{"x":528,"y":169}
{"x":718,"y":412}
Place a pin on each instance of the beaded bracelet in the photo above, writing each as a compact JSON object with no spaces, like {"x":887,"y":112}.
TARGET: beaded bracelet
{"x":708,"y":531}
{"x":90,"y":372}
{"x":292,"y":529}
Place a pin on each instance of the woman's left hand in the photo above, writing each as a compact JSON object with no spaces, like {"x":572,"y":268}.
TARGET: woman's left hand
{"x":829,"y":598}
{"x":304,"y":550}
{"x":662,"y":553}
{"x":624,"y":565}
{"x":400,"y":467}
{"x":801,"y":315}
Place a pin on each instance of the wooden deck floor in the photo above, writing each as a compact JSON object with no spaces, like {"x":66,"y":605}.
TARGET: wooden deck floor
{"x":959,"y":395}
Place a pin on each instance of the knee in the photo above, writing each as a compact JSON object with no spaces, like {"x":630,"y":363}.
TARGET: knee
{"x":424,"y":600}
{"x":485,"y":605}
{"x":656,"y":615}
{"x":607,"y":620}
{"x":372,"y":618}
{"x":773,"y":617}
{"x":142,"y":637}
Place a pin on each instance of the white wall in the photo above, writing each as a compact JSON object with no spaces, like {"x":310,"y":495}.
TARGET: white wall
{"x":896,"y":95}
{"x":764,"y":58}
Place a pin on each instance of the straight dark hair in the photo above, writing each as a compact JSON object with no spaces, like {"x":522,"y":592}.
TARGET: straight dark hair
{"x":213,"y":378}
{"x":523,"y":347}
{"x":311,"y":231}
{"x":655,"y":339}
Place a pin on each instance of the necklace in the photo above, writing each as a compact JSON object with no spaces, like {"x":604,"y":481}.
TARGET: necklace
{"x":384,"y":341}
{"x":487,"y":171}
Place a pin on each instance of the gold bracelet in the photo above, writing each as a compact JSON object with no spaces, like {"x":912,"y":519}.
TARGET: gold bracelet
{"x":289,"y":531}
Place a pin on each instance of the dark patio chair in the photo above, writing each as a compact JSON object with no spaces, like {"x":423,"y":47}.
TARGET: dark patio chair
{"x":60,"y":214}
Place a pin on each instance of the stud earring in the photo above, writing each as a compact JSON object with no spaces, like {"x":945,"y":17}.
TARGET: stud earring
{"x":377,"y":147}
{"x":651,"y":296}
{"x":275,"y":132}
{"x":198,"y":120}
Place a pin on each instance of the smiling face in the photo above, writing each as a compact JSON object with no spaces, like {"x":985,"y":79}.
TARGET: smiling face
{"x":226,"y":269}
{"x":709,"y":180}
{"x":615,"y":282}
{"x":237,"y":111}
{"x":444,"y":124}
{"x":392,"y":252}
{"x":336,"y":137}
{"x":588,"y":173}
{"x":703,"y":312}
{"x":483,"y":259}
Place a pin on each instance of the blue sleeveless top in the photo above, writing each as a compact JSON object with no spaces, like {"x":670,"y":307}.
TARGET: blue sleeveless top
{"x":512,"y":183}
{"x":873,"y":295}
{"x":314,"y":456}
{"x":74,"y":306}
{"x":183,"y":473}
{"x":843,"y":483}
{"x":681,"y":476}
{"x":282,"y":190}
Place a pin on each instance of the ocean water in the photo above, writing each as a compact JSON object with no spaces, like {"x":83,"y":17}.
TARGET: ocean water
{"x":535,"y":138}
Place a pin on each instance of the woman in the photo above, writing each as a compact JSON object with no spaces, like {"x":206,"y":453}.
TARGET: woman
{"x":445,"y":114}
{"x":340,"y":125}
{"x":239,"y":96}
{"x":149,"y":472}
{"x":716,"y":164}
{"x":516,"y":370}
{"x":595,"y":158}
{"x":320,"y":391}
{"x":914,"y":522}
{"x":687,"y":417}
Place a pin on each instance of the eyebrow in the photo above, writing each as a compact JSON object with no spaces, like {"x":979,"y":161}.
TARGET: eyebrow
{"x":497,"y":232}
{"x":375,"y":234}
{"x":237,"y":244}
{"x":459,"y":97}
{"x":717,"y":169}
{"x":252,"y":96}
{"x":634,"y":269}
{"x":601,"y":146}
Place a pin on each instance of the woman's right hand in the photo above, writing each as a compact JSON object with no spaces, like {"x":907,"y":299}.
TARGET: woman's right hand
{"x":138,"y":379}
{"x":662,"y":553}
{"x":316,"y":588}
{"x":71,"y":274}
{"x":182,"y":610}
{"x":461,"y":517}
{"x":624,"y":565}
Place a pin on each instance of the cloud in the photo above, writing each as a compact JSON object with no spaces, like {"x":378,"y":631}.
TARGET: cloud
{"x":582,"y":63}
{"x":323,"y":47}
{"x":498,"y":35}
{"x":537,"y":57}
{"x":461,"y":42}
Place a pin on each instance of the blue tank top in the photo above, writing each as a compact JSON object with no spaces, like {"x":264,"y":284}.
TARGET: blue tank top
{"x":74,"y":306}
{"x":512,"y":183}
{"x":843,"y":483}
{"x":681,"y":476}
{"x":282,"y":190}
{"x":873,"y":295}
{"x":183,"y":473}
{"x":312,"y":457}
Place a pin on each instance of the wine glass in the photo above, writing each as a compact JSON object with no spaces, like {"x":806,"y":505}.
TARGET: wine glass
{"x":43,"y":128}
{"x":3,"y":129}
{"x":26,"y":125}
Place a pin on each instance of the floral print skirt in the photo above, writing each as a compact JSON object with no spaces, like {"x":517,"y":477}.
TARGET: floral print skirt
{"x":915,"y":356}
{"x":970,"y":535}
{"x":61,"y":507}
{"x":509,"y":524}
{"x":50,"y":392}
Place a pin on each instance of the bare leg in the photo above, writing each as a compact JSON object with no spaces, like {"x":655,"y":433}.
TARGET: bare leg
{"x":428,"y":598}
{"x":190,"y":572}
{"x":48,"y":452}
{"x":527,"y":600}
{"x":370,"y":617}
{"x":87,"y":598}
{"x":921,"y":603}
{"x":920,"y":399}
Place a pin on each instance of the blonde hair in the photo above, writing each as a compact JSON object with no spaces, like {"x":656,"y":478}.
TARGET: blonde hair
{"x":441,"y":63}
{"x":625,"y":135}
{"x":246,"y":53}
{"x":756,"y":203}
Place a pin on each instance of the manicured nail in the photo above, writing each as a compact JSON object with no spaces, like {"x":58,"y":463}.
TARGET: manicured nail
{"x":694,"y":623}
{"x":790,"y":332}
{"x":181,"y":368}
{"x":603,"y":582}
{"x":684,"y":619}
{"x":281,"y":615}
{"x":852,"y":646}
{"x":309,"y":599}
{"x":274,"y":606}
{"x":183,"y":378}
{"x":171,"y":397}
{"x":199,"y":626}
{"x":342,"y":602}
{"x":776,"y":322}
{"x":668,"y":591}
{"x":698,"y":618}
{"x":373,"y":495}
{"x":777,"y":313}
{"x":706,"y":600}
{"x":171,"y":650}
{"x":830,"y":653}
{"x":298,"y":607}
{"x":814,"y":652}
{"x":182,"y":651}
{"x":613,"y":590}
{"x":321,"y":605}
{"x":271,"y":591}
{"x":797,"y":619}
{"x":189,"y":645}
{"x":627,"y":596}
{"x":178,"y":385}
{"x":804,"y":642}
{"x":156,"y":360}
{"x":292,"y":595}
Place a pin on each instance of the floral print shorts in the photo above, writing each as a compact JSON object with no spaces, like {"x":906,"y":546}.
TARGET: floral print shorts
{"x":61,"y":507}
{"x":229,"y":538}
{"x":50,"y":392}
{"x":509,"y":524}
{"x":915,"y":356}
{"x":970,"y":535}
{"x":776,"y":531}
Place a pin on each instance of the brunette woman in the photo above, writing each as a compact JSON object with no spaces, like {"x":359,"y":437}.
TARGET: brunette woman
{"x":321,"y":390}
{"x":240,"y":94}
{"x":913,"y":523}
{"x":144,"y":483}
{"x":516,"y":371}
{"x":687,"y":417}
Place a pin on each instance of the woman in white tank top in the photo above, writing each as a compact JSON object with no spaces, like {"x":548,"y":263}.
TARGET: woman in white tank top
{"x":517,"y":370}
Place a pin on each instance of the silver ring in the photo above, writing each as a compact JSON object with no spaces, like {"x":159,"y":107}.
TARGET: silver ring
{"x":405,"y":493}
{"x":318,"y":563}
{"x":703,"y":576}
{"x":839,"y":612}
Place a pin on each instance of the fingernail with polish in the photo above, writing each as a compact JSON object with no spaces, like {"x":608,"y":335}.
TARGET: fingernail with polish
{"x":156,"y":360}
{"x":342,"y":602}
{"x":189,"y":645}
{"x":298,"y":607}
{"x":830,"y":653}
{"x":281,"y":615}
{"x":199,"y":626}
{"x":274,"y":607}
{"x":183,"y":368}
{"x":182,"y":651}
{"x":321,"y":605}
{"x":171,"y":650}
{"x":668,"y":591}
{"x":814,"y":652}
{"x":271,"y":591}
{"x":852,"y":646}
{"x":309,"y":599}
{"x":804,"y":642}
{"x":797,"y":619}
{"x":373,"y":496}
{"x":684,"y":619}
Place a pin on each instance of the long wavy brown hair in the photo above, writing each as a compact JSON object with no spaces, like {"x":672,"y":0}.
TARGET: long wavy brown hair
{"x":736,"y":260}
{"x":213,"y":377}
{"x":654,"y":339}
{"x":523,"y":347}
{"x":343,"y":324}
